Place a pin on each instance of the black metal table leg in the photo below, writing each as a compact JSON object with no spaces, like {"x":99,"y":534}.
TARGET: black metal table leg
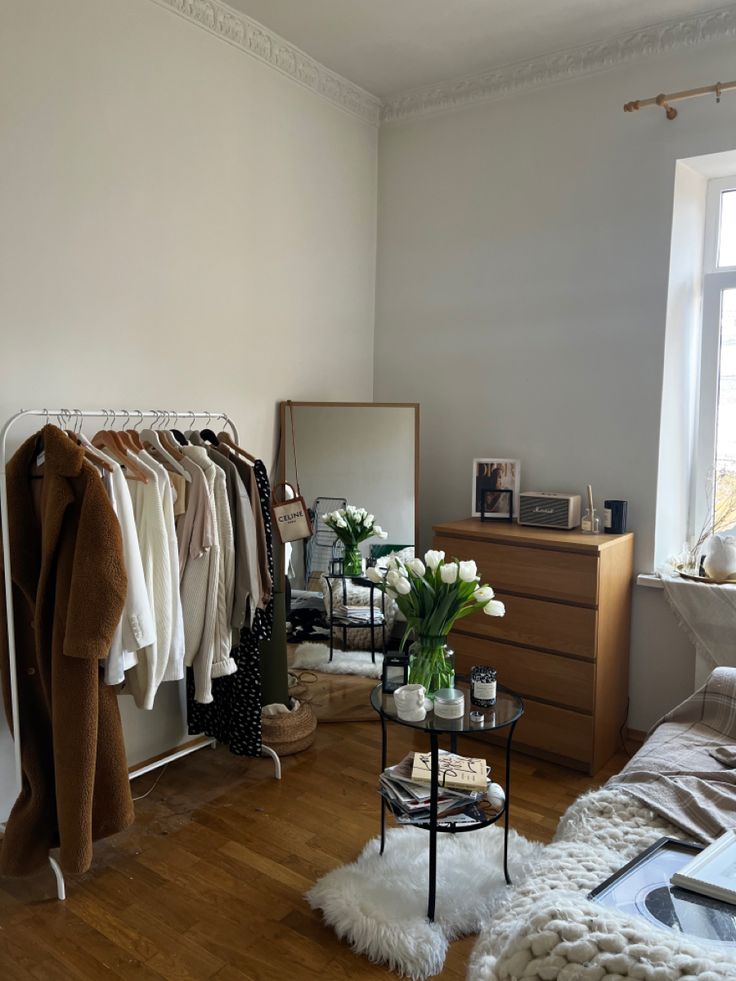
{"x":383,"y":767}
{"x":508,"y":804}
{"x":453,"y":742}
{"x":434,"y":794}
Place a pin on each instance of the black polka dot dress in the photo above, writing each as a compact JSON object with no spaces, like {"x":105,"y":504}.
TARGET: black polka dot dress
{"x":234,"y":715}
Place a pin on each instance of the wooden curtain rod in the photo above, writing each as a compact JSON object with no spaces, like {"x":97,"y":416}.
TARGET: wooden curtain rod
{"x":665,"y":100}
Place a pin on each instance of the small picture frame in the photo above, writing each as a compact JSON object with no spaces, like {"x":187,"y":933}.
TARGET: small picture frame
{"x":395,"y":672}
{"x":508,"y":495}
{"x":496,"y":486}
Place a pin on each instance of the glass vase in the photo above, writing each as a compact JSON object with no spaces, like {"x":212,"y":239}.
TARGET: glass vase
{"x":352,"y":563}
{"x":432,"y":664}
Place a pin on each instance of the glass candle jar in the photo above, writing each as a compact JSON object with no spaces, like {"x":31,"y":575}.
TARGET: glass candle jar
{"x":483,"y":686}
{"x":449,"y":703}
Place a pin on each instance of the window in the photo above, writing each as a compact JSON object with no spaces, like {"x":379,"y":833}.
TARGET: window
{"x":715,"y":469}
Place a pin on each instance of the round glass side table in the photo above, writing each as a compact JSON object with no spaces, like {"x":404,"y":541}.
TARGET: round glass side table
{"x":503,"y":715}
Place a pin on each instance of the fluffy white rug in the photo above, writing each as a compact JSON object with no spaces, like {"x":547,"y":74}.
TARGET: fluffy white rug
{"x":316,"y":657}
{"x":379,"y":902}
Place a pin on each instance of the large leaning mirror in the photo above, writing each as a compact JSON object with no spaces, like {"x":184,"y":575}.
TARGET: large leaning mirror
{"x":365,"y":455}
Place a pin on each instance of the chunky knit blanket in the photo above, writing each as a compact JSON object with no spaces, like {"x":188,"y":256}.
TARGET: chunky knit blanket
{"x":547,"y":930}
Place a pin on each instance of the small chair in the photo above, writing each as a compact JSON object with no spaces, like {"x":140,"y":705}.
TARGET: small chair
{"x":345,"y":622}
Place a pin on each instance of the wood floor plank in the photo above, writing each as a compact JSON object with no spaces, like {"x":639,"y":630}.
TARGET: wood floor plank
{"x":209,"y":882}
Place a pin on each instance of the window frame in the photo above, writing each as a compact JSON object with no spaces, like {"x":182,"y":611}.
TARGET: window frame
{"x":716,"y":279}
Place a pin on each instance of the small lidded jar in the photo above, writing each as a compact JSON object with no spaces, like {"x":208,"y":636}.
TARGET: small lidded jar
{"x":449,"y":703}
{"x":483,"y":686}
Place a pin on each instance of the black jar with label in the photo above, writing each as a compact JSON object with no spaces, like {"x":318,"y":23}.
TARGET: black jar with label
{"x":483,"y":686}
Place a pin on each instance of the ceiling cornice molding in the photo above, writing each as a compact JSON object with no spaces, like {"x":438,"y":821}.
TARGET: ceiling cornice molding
{"x":587,"y":59}
{"x":258,"y":41}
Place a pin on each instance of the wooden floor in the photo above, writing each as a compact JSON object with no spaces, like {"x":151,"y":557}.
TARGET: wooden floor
{"x":209,"y":882}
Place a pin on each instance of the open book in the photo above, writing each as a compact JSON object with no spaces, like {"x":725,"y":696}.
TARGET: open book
{"x":464,"y":772}
{"x":713,"y":871}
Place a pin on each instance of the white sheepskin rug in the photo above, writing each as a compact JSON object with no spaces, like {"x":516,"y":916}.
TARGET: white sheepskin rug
{"x":316,"y":657}
{"x":379,"y":902}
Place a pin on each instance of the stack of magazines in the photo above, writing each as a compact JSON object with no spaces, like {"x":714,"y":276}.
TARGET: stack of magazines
{"x":406,"y":789}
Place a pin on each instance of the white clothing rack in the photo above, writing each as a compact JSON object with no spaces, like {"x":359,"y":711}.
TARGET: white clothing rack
{"x":110,"y":417}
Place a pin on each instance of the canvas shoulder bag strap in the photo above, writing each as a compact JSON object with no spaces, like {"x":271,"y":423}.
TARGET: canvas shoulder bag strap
{"x":291,"y":515}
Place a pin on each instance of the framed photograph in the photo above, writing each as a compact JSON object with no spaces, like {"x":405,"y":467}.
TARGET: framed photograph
{"x":491,"y":477}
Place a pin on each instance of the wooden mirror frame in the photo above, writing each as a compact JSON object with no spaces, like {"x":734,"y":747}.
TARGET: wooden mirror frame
{"x":283,"y":442}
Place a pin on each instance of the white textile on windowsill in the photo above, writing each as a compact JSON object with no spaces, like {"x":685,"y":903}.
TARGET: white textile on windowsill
{"x":707,"y":613}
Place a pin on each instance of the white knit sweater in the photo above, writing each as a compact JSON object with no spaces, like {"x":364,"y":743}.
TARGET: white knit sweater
{"x":144,"y":678}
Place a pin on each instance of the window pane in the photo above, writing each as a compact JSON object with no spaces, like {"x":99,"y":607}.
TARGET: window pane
{"x":727,"y":238}
{"x":726,"y":417}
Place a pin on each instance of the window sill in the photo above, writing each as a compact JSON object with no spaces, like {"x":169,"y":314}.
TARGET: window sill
{"x":649,"y":580}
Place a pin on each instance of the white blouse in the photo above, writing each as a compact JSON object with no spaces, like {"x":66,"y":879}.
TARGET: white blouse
{"x":174,"y":669}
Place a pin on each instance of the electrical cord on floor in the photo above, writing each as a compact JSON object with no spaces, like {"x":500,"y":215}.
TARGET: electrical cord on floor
{"x":623,"y":727}
{"x":155,"y":783}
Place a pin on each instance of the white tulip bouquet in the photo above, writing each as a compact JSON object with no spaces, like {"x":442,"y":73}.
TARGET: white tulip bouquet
{"x":352,"y":526}
{"x":433,"y":595}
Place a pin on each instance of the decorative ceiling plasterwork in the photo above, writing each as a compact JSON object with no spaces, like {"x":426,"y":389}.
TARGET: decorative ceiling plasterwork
{"x":545,"y":70}
{"x":260,"y":42}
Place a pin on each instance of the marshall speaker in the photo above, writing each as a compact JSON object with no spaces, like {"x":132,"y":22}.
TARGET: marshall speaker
{"x":549,"y":510}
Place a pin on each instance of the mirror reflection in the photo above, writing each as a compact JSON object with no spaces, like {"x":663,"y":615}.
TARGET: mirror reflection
{"x":357,"y":470}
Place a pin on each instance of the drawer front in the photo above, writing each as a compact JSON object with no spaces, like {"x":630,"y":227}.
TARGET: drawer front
{"x":555,"y":730}
{"x":551,"y":677}
{"x":536,"y":623}
{"x":535,"y":571}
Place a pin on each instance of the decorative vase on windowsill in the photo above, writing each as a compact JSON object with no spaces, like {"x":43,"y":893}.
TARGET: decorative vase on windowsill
{"x":433,"y":595}
{"x":352,"y":526}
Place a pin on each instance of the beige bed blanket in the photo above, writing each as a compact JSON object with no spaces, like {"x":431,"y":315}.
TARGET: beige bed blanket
{"x":685,"y":770}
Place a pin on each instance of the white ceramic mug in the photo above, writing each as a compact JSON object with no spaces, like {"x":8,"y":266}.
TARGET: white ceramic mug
{"x":409,"y":700}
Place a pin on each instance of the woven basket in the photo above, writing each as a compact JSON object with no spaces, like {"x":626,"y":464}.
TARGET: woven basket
{"x":290,"y":732}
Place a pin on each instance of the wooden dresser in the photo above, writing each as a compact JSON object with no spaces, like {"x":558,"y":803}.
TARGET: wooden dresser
{"x":564,"y":642}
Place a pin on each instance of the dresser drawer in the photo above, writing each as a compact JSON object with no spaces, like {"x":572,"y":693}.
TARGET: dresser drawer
{"x":537,"y":571}
{"x":555,"y":730}
{"x":536,"y":623}
{"x":551,"y":677}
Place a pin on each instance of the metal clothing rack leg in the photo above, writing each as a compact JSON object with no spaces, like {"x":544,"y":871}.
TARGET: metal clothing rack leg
{"x":110,"y":416}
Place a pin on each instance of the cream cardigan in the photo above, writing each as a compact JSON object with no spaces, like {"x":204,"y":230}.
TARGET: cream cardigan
{"x":144,"y":678}
{"x":211,"y":659}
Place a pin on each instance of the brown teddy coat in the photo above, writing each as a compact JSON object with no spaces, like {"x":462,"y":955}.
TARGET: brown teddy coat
{"x":69,"y":586}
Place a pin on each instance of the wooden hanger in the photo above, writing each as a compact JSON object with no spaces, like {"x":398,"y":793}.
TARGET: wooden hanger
{"x":90,"y":452}
{"x":228,"y":441}
{"x":108,"y":439}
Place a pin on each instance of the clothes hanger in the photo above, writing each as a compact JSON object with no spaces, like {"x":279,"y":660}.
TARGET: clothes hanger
{"x":125,"y":438}
{"x":206,"y":433}
{"x":178,"y":435}
{"x":109,"y":440}
{"x":152,"y":438}
{"x":78,"y":437}
{"x":133,"y":432}
{"x":228,"y":441}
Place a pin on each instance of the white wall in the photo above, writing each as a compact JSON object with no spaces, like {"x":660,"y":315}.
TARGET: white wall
{"x":522,"y":281}
{"x":180,"y":225}
{"x":364,"y":454}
